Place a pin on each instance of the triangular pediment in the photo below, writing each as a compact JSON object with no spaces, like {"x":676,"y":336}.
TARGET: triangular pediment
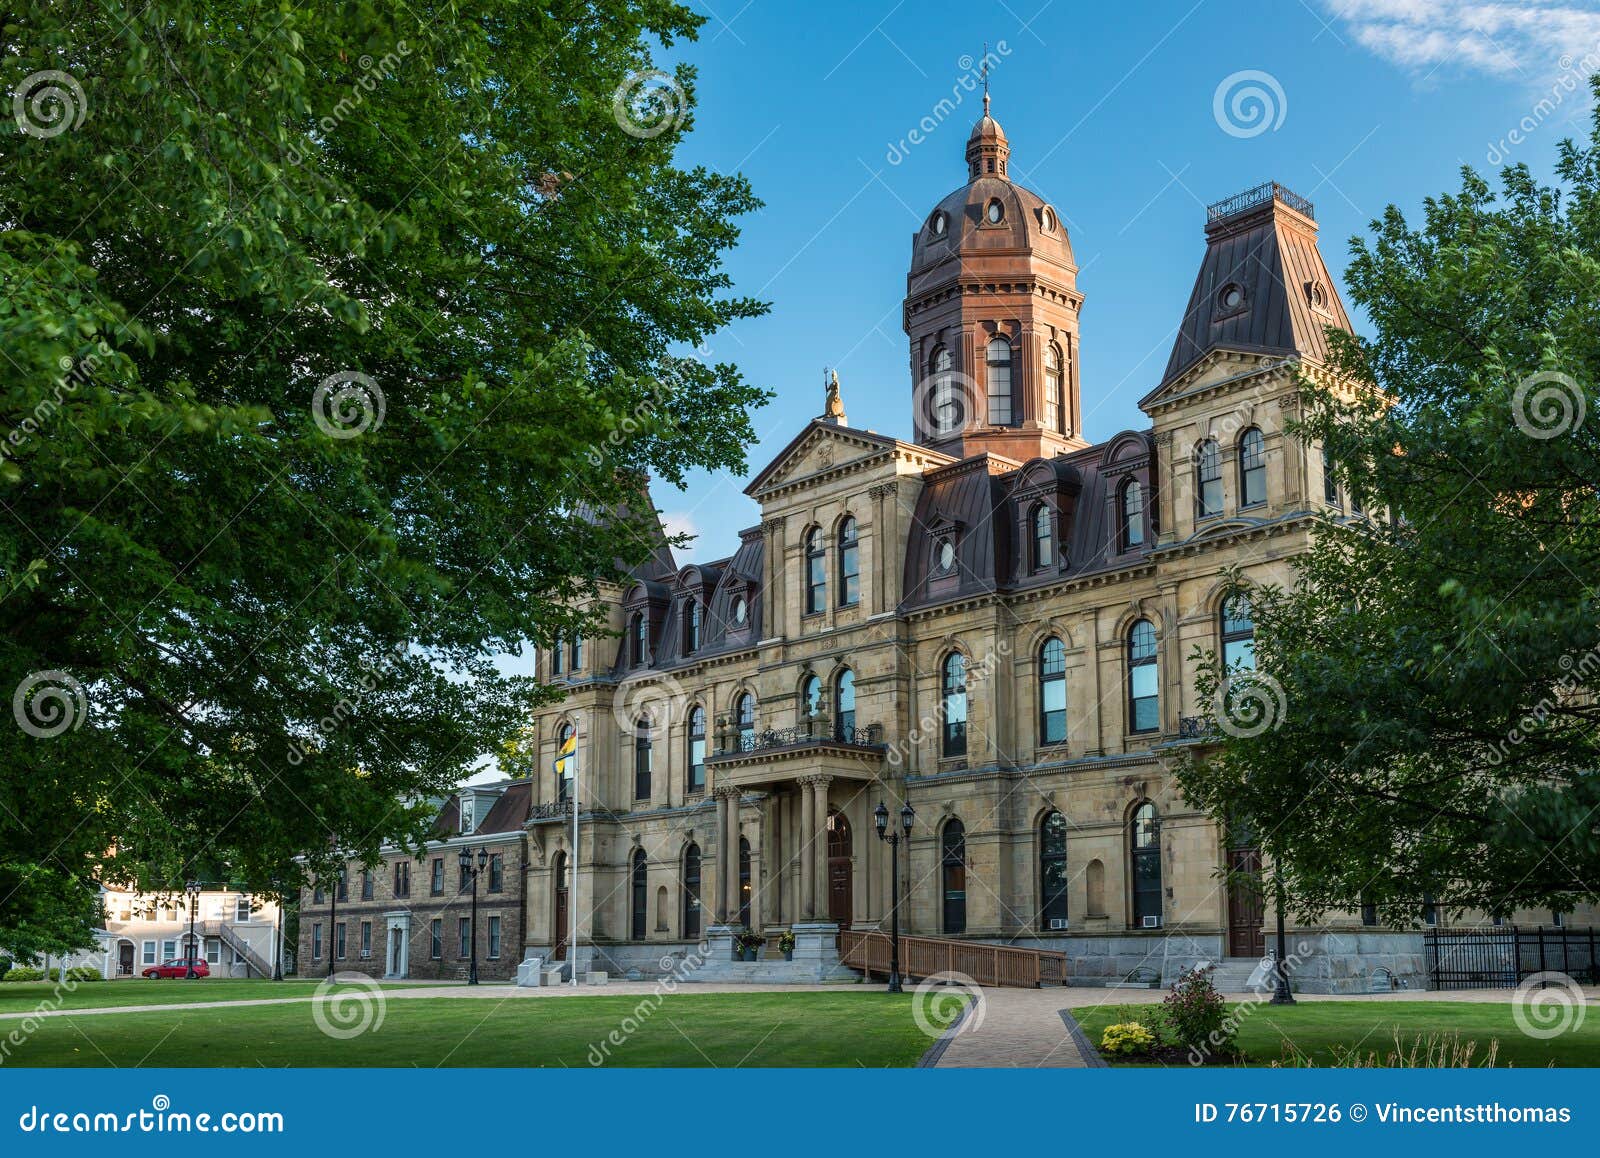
{"x":821,"y":449}
{"x":1217,"y":367}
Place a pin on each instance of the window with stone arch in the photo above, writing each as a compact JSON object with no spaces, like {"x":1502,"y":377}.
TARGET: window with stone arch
{"x":744,"y":720}
{"x":1052,"y":691}
{"x":1144,"y":698}
{"x":1207,"y":479}
{"x":696,"y":779}
{"x":1252,"y":468}
{"x":810,"y":697}
{"x":638,"y":639}
{"x":816,"y":572}
{"x":1238,"y":633}
{"x":691,"y":892}
{"x":1052,"y":388}
{"x":997,"y":361}
{"x":691,"y":626}
{"x":953,"y":877}
{"x":568,"y":768}
{"x":1042,"y":553}
{"x":643,"y":757}
{"x":844,"y":705}
{"x":1053,"y":871}
{"x":1130,"y":514}
{"x":953,"y":701}
{"x":849,"y":563}
{"x":946,"y":407}
{"x":1144,"y":851}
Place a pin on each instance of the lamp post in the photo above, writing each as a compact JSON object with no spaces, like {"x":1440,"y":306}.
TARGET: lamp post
{"x":468,"y":869}
{"x":193,"y":889}
{"x":880,"y":818}
{"x":1280,"y":971}
{"x":333,"y":923}
{"x":277,"y":931}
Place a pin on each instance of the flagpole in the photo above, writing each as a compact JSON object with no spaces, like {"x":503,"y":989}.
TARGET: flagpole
{"x":573,"y":890}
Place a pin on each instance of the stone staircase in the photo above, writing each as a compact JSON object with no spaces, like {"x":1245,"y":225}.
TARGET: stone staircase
{"x":1243,"y":975}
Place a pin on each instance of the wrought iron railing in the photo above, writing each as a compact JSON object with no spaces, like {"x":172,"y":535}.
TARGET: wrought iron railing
{"x":865,"y":736}
{"x":550,"y":810}
{"x":1250,"y":198}
{"x":1194,"y":728}
{"x":1503,"y":956}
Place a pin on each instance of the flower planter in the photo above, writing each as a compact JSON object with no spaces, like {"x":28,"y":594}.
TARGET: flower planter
{"x":747,"y":955}
{"x":788,"y":954}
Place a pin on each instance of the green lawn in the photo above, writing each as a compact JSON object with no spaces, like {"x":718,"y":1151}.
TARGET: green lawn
{"x":26,"y":996}
{"x":1310,"y":1029}
{"x":684,"y":1029}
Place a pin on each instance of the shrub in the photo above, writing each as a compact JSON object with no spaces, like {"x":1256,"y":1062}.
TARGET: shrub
{"x":1197,"y":1015}
{"x":24,"y":973}
{"x":5,"y":967}
{"x":84,"y":973}
{"x":1127,"y":1039}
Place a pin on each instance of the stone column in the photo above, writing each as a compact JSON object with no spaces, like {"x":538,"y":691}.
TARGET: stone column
{"x":808,"y":849}
{"x":720,"y":914}
{"x":730,"y":838}
{"x":819,"y":857}
{"x":768,"y":884}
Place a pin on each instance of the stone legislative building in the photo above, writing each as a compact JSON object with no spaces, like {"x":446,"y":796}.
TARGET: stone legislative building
{"x":993,"y":619}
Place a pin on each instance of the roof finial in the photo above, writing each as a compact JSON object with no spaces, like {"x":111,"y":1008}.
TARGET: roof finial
{"x":985,"y":78}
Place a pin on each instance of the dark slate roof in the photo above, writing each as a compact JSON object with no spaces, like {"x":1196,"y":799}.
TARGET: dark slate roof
{"x":506,"y":815}
{"x":986,"y":502}
{"x":717,"y":584}
{"x":1265,"y":241}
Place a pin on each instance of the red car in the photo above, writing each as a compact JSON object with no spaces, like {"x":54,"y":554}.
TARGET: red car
{"x":179,"y":967}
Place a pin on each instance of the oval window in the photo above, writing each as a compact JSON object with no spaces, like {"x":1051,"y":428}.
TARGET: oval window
{"x":740,"y":610}
{"x":947,"y":555}
{"x":939,"y":224}
{"x":1048,"y":217}
{"x":995,"y":213}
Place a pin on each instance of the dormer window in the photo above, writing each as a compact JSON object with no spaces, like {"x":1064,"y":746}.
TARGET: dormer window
{"x":1047,"y":219}
{"x":944,"y":554}
{"x":691,"y":627}
{"x":638,"y":640}
{"x":1043,"y":538}
{"x":741,"y":610}
{"x":468,"y":815}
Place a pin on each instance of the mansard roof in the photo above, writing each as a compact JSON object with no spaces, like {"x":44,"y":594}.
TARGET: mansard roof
{"x":1262,"y":285}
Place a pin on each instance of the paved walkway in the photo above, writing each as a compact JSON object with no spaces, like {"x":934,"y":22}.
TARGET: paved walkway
{"x":1009,"y":1028}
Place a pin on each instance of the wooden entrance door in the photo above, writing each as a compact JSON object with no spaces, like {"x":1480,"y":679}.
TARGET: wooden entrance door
{"x":561,"y":915}
{"x":1246,"y":908}
{"x":840,"y":870}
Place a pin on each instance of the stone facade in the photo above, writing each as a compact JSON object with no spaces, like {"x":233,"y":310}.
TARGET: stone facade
{"x":411,"y":916}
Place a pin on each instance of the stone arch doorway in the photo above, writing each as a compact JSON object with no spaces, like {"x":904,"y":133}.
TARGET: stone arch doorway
{"x":560,"y":915}
{"x":841,"y":869}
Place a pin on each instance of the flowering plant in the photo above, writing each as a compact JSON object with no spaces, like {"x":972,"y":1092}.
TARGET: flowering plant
{"x":1127,"y":1038}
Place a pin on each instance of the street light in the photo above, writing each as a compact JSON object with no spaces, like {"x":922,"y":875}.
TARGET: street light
{"x":1280,"y":981}
{"x":468,"y":869}
{"x":880,"y":818}
{"x":193,"y":889}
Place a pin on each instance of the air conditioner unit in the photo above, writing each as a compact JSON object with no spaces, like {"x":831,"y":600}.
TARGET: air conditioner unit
{"x":1152,"y":922}
{"x":1058,"y":923}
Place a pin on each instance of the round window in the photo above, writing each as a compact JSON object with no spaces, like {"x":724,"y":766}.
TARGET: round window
{"x":1231,"y":297}
{"x":1049,"y":219}
{"x":740,"y":610}
{"x":947,"y":555}
{"x":995,"y":213}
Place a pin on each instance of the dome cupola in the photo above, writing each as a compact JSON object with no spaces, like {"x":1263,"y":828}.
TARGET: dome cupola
{"x":987,"y":147}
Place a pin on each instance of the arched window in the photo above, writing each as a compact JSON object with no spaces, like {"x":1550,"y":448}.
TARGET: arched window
{"x":810,"y":697}
{"x":1052,"y":692}
{"x":1252,"y":468}
{"x":1053,"y":872}
{"x":566,"y":766}
{"x":1330,"y":480}
{"x":954,"y":702}
{"x":557,"y":655}
{"x":1144,"y":844}
{"x":744,"y":718}
{"x":1238,"y":633}
{"x":1044,"y":540}
{"x":697,"y":749}
{"x":744,"y":882}
{"x":641,"y":895}
{"x":953,"y":877}
{"x":1207,"y":479}
{"x":691,"y":892}
{"x":639,"y":639}
{"x":844,"y":705}
{"x":947,"y":407}
{"x":1094,"y":887}
{"x":1052,"y":388}
{"x":576,"y":654}
{"x":998,"y":361}
{"x":849,"y":564}
{"x":816,"y":572}
{"x":1131,"y":514}
{"x":1143,"y":684}
{"x":691,"y":627}
{"x":641,"y":758}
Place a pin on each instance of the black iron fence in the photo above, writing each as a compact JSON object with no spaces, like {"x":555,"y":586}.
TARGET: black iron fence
{"x":1503,"y":956}
{"x":868,"y":735}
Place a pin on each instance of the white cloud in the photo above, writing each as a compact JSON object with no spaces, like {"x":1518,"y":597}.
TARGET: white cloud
{"x":681,"y":523}
{"x":1519,"y":39}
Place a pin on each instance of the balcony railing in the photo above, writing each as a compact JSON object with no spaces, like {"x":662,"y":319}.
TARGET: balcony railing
{"x":1250,"y":198}
{"x":866,"y":736}
{"x":1194,"y":728}
{"x":550,"y":810}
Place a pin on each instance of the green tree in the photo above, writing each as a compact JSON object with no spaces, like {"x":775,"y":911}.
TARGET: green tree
{"x":1429,"y":674}
{"x":326,"y":327}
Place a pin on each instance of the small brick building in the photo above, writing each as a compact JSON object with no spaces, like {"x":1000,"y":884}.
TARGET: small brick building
{"x":411,"y":917}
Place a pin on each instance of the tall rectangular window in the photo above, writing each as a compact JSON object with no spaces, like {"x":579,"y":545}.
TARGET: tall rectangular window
{"x":366,"y":938}
{"x":436,"y":938}
{"x":436,"y":885}
{"x":338,"y":941}
{"x":148,"y":951}
{"x":316,"y":941}
{"x":241,"y":909}
{"x":497,"y":872}
{"x":464,"y":934}
{"x":494,"y":937}
{"x":366,"y":884}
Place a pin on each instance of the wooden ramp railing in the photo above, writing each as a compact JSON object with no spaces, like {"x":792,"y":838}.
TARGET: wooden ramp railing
{"x":922,"y":957}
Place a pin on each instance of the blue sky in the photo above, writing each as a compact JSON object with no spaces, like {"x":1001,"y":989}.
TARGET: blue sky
{"x":1111,"y":114}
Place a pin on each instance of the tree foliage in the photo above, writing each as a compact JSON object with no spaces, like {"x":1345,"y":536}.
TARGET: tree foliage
{"x":1437,"y":664}
{"x":327,"y":327}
